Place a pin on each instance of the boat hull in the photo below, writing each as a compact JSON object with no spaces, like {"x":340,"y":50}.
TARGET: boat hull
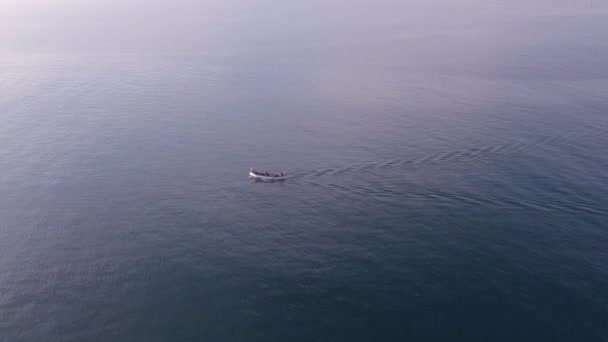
{"x":265,"y":178}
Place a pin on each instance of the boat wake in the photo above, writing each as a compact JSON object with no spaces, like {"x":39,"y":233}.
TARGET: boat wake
{"x":468,"y":155}
{"x":492,"y":153}
{"x":580,"y":206}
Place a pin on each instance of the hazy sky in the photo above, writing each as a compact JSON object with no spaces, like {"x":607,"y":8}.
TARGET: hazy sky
{"x":205,"y":25}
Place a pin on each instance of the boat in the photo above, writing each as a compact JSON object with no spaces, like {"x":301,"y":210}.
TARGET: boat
{"x":266,"y":176}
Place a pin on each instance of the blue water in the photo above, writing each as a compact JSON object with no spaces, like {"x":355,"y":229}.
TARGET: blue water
{"x":446,"y":183}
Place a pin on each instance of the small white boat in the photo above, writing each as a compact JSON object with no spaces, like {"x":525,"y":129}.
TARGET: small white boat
{"x":266,"y":176}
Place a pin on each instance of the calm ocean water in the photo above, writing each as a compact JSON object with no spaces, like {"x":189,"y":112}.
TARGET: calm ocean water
{"x":448,"y":181}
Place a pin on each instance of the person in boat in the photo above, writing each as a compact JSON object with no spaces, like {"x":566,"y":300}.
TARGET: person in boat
{"x":267,"y":174}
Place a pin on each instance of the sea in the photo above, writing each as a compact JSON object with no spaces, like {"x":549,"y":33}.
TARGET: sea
{"x":447,"y":168}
